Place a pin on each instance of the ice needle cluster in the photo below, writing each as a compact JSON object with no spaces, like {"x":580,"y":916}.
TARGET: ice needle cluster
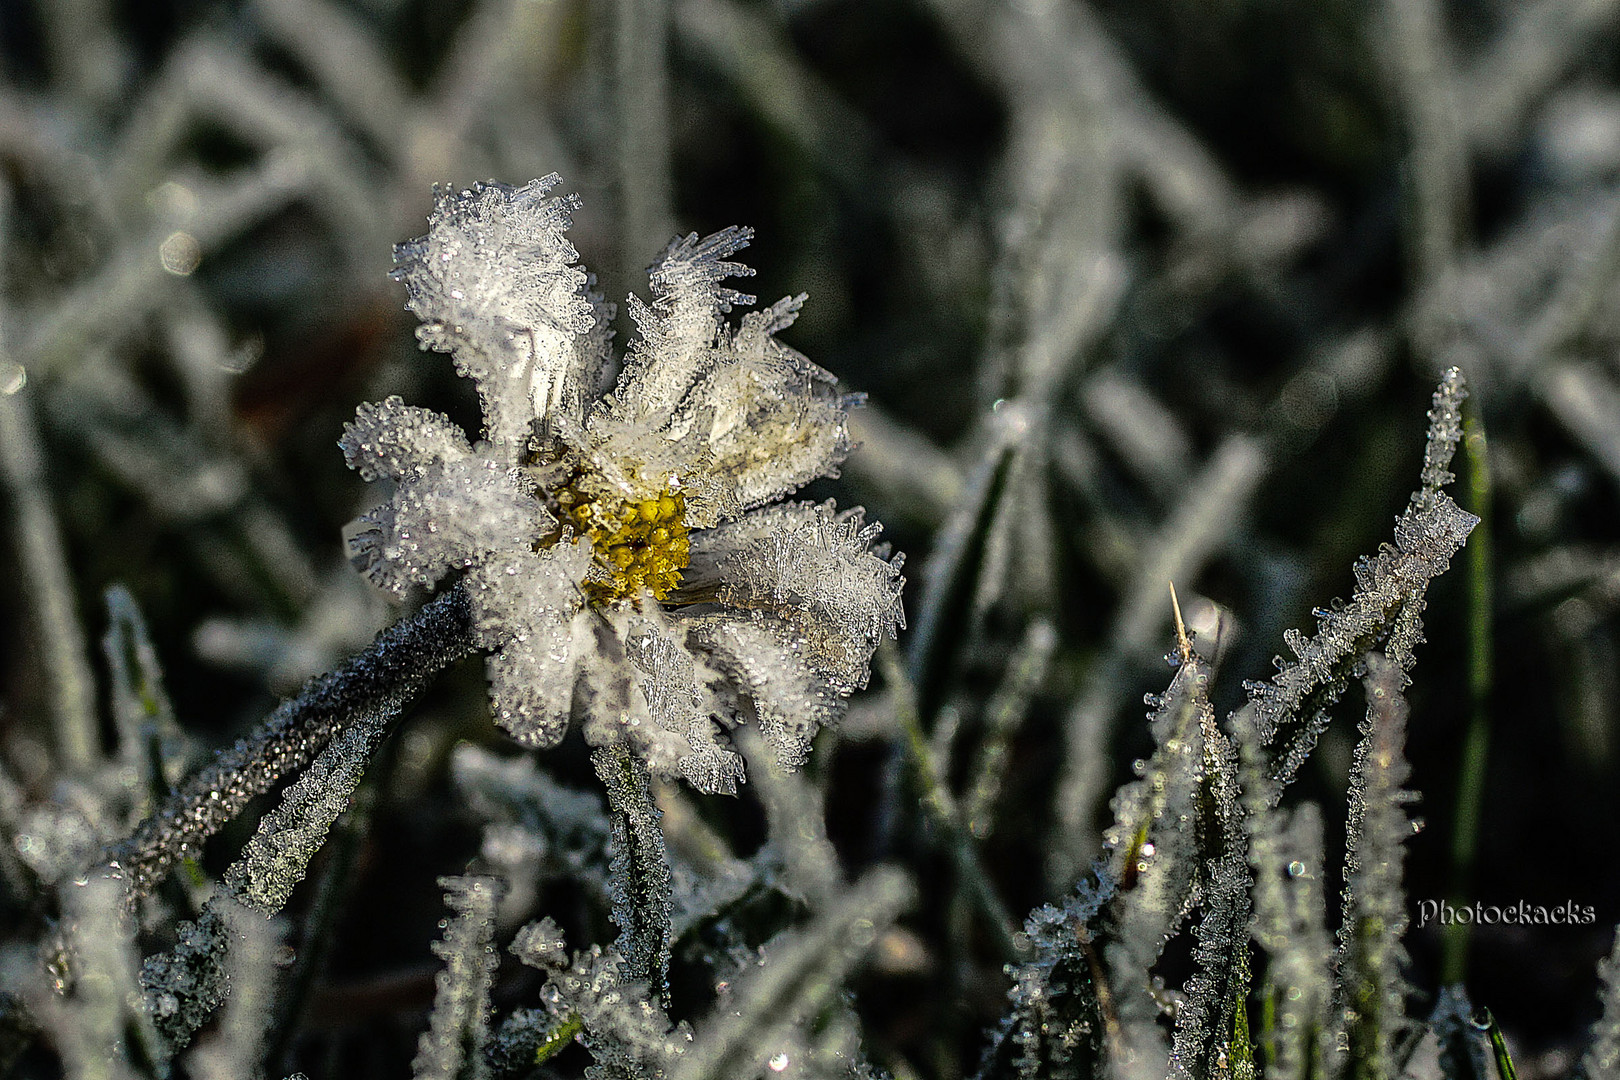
{"x":621,"y":541}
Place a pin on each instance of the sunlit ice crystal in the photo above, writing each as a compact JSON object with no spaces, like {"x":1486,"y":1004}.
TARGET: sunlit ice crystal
{"x":622,"y":543}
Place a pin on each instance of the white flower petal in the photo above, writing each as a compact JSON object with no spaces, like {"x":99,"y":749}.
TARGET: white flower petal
{"x":393,"y":440}
{"x":772,"y":676}
{"x":815,"y":569}
{"x":776,"y":420}
{"x":681,"y":326}
{"x":611,"y":698}
{"x":446,"y":514}
{"x":523,"y":605}
{"x":675,"y":684}
{"x":494,"y":283}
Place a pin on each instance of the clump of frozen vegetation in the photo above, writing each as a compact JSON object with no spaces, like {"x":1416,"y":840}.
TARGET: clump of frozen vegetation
{"x":619,"y":541}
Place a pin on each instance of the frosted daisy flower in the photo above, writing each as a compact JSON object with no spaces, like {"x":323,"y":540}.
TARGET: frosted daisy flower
{"x":622,"y":544}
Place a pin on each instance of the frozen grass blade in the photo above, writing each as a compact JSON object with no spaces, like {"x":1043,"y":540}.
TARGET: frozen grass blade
{"x":1062,"y":1012}
{"x":1371,"y":959}
{"x":1003,"y":717}
{"x":1476,"y":744}
{"x":452,"y":1048}
{"x":372,"y":690}
{"x":184,"y":986}
{"x":1290,"y":711}
{"x":1200,"y":523}
{"x":48,"y":581}
{"x":1290,"y":925}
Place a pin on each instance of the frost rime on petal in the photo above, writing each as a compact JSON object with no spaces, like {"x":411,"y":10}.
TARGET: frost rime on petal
{"x":816,"y":570}
{"x":394,"y":440}
{"x":680,"y":326}
{"x":447,"y":514}
{"x":775,"y":420}
{"x":494,"y":283}
{"x":768,"y":664}
{"x":524,"y":604}
{"x":613,"y":702}
{"x":675,"y":685}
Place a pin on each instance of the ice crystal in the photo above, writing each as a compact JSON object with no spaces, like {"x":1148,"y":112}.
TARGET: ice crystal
{"x":621,"y":556}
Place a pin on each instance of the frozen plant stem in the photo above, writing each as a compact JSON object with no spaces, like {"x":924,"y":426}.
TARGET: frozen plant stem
{"x":374,"y":687}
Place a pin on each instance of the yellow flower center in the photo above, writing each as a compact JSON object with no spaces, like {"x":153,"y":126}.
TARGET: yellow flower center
{"x":640,"y":544}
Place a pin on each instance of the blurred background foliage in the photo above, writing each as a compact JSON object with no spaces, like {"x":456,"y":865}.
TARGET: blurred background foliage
{"x":1139,"y":290}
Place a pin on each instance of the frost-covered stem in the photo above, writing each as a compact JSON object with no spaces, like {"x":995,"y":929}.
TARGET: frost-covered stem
{"x":639,"y":880}
{"x":1476,"y":744}
{"x":374,"y":687}
{"x":941,"y":808}
{"x":48,"y":582}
